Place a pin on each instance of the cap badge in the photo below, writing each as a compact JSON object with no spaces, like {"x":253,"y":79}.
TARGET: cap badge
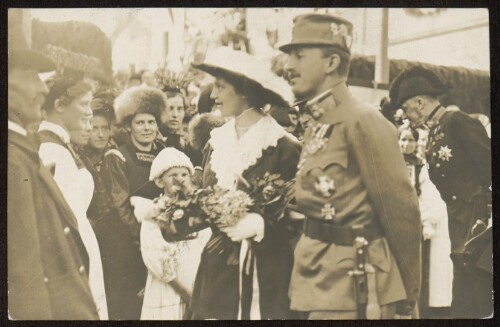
{"x":341,"y":29}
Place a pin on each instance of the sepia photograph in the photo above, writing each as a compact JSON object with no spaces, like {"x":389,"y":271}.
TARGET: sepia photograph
{"x":249,"y":163}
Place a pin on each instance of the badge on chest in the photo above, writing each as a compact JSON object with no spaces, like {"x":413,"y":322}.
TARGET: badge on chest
{"x":316,"y":142}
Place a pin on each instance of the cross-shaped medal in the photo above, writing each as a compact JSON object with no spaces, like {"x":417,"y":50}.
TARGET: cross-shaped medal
{"x":328,"y":211}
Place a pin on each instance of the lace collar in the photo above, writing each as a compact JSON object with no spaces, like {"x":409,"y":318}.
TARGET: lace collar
{"x":232,"y":156}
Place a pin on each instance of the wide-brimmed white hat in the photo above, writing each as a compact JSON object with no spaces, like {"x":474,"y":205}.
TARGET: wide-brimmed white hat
{"x":169,"y":158}
{"x":224,"y":61}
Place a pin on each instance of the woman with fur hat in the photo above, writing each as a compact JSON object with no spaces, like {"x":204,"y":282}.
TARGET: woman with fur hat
{"x":171,"y":265}
{"x":125,"y":172}
{"x":250,"y":144}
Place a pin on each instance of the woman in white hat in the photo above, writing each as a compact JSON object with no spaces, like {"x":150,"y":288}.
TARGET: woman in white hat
{"x":247,"y":146}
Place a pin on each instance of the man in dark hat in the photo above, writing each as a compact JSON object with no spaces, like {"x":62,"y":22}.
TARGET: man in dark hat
{"x":46,"y":256}
{"x":458,"y":154}
{"x":353,"y":188}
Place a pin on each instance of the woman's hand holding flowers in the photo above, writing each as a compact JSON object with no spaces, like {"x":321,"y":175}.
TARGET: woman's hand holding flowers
{"x":250,"y":226}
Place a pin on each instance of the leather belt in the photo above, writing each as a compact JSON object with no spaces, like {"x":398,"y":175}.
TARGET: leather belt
{"x":328,"y":232}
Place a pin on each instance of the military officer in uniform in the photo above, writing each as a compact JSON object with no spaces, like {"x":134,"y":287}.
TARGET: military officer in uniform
{"x":359,"y":257}
{"x":459,"y":160}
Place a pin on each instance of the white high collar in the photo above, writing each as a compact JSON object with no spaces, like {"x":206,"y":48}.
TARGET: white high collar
{"x":232,"y":156}
{"x":15,"y":127}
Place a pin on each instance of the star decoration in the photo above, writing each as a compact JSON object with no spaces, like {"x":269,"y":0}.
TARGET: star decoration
{"x":445,"y":153}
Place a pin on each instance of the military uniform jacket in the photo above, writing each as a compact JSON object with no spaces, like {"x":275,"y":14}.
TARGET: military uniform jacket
{"x":459,"y":158}
{"x":351,"y":171}
{"x":47,"y":278}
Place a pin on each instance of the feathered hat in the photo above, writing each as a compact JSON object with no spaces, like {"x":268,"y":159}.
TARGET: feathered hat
{"x":415,"y":81}
{"x":102,"y":104}
{"x":169,"y":80}
{"x":137,"y":100}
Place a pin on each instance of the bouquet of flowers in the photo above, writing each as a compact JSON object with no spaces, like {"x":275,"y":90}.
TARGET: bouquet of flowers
{"x":270,"y":193}
{"x":180,"y":216}
{"x":224,"y":208}
{"x":188,"y":211}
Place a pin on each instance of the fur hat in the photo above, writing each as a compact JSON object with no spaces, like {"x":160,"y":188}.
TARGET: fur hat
{"x":166,"y":159}
{"x":139,"y":100}
{"x":200,"y":127}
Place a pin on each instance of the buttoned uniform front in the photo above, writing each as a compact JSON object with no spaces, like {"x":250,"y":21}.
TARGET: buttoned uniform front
{"x":45,"y":250}
{"x":459,"y":157}
{"x":368,"y":185}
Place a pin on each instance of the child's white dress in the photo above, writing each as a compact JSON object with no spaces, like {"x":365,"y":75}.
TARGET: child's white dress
{"x":165,"y":261}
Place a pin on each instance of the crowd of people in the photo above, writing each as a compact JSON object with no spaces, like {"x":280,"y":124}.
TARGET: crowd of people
{"x":386,"y":217}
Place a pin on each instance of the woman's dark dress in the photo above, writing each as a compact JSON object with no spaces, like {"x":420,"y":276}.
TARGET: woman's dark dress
{"x":216,"y":289}
{"x":126,"y":173}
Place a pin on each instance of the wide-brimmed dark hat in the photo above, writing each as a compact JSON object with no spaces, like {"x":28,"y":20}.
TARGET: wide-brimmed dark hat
{"x":239,"y":65}
{"x":320,"y":30}
{"x":415,"y":81}
{"x":19,"y":53}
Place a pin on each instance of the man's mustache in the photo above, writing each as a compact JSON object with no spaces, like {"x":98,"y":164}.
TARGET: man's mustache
{"x":290,"y":74}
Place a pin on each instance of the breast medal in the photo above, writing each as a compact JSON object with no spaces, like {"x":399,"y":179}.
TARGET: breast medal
{"x":444,"y":153}
{"x":325,"y":186}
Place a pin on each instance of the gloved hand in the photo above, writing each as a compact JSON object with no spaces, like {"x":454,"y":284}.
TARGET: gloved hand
{"x":144,"y":208}
{"x":250,"y":226}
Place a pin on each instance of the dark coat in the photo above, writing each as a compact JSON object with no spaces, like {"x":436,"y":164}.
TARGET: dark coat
{"x":46,"y":257}
{"x":459,"y":158}
{"x":125,"y":172}
{"x":216,"y":289}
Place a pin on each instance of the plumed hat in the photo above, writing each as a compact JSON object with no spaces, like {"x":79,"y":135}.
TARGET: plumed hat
{"x":102,"y":104}
{"x":238,"y":65}
{"x":139,"y":100}
{"x":169,"y":158}
{"x":169,"y":80}
{"x":413,"y":82}
{"x":320,"y":30}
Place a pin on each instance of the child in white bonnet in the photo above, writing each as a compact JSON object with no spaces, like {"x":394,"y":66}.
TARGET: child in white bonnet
{"x":172,"y":266}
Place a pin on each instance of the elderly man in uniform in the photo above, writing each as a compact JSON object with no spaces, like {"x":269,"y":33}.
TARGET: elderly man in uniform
{"x":458,"y":154}
{"x":359,"y":257}
{"x":47,"y":278}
